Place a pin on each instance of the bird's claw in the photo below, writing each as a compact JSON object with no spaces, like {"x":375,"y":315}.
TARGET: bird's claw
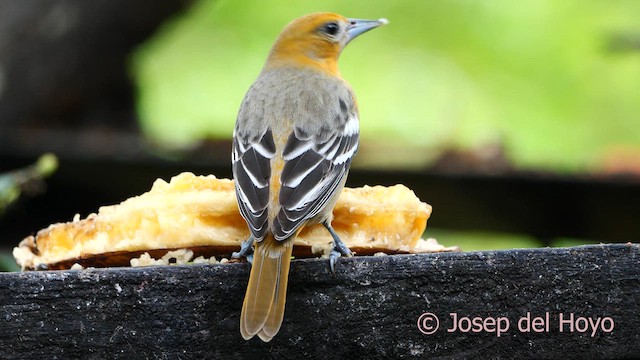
{"x":246,"y":251}
{"x":337,"y":252}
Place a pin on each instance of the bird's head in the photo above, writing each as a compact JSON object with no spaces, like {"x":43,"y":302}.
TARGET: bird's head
{"x":316,"y":40}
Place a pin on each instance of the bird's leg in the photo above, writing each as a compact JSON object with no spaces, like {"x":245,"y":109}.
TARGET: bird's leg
{"x":246,"y":250}
{"x":338,"y":249}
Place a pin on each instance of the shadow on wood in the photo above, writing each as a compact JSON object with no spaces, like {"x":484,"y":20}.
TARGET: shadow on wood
{"x":370,"y":308}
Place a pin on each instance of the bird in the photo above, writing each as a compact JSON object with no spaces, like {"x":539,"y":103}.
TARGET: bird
{"x":295,"y":136}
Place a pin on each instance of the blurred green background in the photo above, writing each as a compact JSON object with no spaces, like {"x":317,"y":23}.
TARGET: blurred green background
{"x":555,"y":84}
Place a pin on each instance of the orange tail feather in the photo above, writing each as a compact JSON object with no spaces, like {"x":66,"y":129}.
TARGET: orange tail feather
{"x":263,"y":306}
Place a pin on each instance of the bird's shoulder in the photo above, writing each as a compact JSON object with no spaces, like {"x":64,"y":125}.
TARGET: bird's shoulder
{"x":288,"y":98}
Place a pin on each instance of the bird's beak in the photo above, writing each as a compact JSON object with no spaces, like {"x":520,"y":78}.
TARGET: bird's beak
{"x":361,"y":26}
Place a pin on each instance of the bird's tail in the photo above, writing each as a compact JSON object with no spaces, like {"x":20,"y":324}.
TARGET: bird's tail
{"x":263,"y":307}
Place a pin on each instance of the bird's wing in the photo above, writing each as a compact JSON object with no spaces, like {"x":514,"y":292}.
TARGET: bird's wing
{"x":252,"y":171}
{"x":315,"y":166}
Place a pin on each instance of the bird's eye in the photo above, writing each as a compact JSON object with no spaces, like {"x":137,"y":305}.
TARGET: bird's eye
{"x":331,"y":29}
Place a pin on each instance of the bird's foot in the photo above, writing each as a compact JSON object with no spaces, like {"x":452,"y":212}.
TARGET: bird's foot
{"x":246,"y":250}
{"x":335,"y":254}
{"x":338,"y":249}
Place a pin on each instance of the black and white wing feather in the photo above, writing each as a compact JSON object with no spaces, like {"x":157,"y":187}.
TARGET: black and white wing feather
{"x":315,"y":166}
{"x":252,"y":171}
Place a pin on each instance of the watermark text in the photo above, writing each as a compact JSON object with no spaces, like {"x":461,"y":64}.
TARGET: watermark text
{"x":429,"y":323}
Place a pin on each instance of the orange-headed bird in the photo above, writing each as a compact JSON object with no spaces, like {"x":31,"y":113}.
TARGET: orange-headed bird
{"x":295,"y":136}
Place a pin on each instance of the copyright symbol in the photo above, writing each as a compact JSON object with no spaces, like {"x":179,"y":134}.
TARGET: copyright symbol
{"x":428,"y":323}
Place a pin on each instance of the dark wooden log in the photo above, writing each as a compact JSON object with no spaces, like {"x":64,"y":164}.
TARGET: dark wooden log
{"x":369,"y":309}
